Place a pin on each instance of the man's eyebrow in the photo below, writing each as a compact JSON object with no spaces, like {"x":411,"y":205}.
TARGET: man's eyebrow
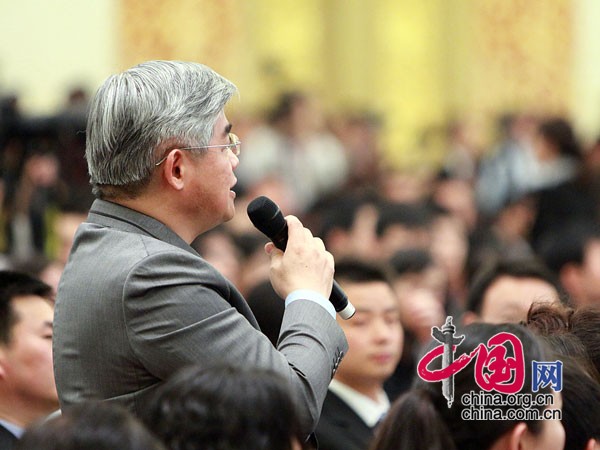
{"x":228,"y":128}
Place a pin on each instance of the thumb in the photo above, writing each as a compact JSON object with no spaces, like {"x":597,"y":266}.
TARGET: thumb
{"x":269,"y":247}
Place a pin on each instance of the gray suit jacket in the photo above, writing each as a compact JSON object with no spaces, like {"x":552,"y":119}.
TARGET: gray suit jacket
{"x":136,"y":303}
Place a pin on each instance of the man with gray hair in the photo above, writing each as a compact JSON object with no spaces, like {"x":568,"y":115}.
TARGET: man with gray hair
{"x":136,"y":302}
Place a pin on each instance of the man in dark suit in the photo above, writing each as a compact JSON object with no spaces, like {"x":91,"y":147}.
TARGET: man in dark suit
{"x":356,"y":400}
{"x":27,"y":389}
{"x":136,"y":302}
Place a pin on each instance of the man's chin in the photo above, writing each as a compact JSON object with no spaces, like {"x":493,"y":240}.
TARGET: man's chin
{"x":230,"y":214}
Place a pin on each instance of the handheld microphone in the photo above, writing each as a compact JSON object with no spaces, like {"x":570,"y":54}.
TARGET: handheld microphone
{"x":267,"y":217}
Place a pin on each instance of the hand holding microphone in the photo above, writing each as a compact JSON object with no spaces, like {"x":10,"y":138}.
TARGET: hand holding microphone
{"x":306,"y":259}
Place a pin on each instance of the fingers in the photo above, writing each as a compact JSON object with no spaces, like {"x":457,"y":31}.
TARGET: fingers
{"x":297,"y":231}
{"x":306,"y":264}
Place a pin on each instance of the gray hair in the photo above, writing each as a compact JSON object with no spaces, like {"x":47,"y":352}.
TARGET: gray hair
{"x":136,"y":113}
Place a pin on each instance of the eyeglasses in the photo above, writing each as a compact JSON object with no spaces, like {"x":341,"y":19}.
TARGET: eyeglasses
{"x":235,"y":145}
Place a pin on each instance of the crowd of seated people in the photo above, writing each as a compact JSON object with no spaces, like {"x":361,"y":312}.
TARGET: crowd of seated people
{"x":517,"y":226}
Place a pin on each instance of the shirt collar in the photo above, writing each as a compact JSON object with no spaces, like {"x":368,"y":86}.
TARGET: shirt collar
{"x":14,"y":429}
{"x":367,"y":409}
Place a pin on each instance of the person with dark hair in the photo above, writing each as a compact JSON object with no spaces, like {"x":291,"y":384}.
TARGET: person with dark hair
{"x":27,"y":388}
{"x":585,"y":323}
{"x":562,"y":194}
{"x":421,"y":418}
{"x":356,"y":399}
{"x":136,"y":302}
{"x":225,"y":408}
{"x":403,"y":225}
{"x":420,"y":285}
{"x":573,"y":254}
{"x":348,"y":225}
{"x":580,"y":413}
{"x":90,"y":426}
{"x":580,"y":387}
{"x":503,"y":290}
{"x":504,"y":173}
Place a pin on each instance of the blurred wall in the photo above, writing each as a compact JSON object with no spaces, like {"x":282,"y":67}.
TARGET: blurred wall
{"x":419,"y":63}
{"x":48,"y":47}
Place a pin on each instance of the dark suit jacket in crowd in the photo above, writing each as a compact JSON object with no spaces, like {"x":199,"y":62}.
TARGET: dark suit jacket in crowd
{"x":340,"y":428}
{"x":7,"y":439}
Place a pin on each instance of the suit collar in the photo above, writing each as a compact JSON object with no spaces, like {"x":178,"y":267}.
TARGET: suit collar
{"x":118,"y":216}
{"x":122,"y":218}
{"x":11,"y":428}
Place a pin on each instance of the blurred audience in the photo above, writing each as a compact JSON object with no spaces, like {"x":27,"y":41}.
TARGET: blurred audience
{"x":487,"y":235}
{"x":575,"y":257}
{"x":504,"y":174}
{"x":421,"y":287}
{"x":558,"y":182}
{"x":295,"y":147}
{"x":347,"y":224}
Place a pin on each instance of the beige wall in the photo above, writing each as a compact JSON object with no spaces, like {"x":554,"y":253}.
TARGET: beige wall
{"x":48,"y":46}
{"x":585,"y":95}
{"x":418,"y":62}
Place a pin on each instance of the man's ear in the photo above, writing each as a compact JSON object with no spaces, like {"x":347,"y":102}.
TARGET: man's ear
{"x":2,"y":362}
{"x":174,"y":169}
{"x":521,"y":438}
{"x":570,"y":278}
{"x":512,"y":439}
{"x":592,"y":444}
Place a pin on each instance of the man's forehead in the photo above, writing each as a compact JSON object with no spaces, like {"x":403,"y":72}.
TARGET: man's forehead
{"x":27,"y":304}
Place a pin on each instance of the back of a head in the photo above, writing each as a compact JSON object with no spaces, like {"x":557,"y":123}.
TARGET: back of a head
{"x":137,"y":114}
{"x":90,"y":426}
{"x":224,"y":408}
{"x":568,"y":244}
{"x":585,"y":323}
{"x":580,"y":387}
{"x":581,"y":394}
{"x":547,"y":319}
{"x":560,"y":133}
{"x":417,"y":426}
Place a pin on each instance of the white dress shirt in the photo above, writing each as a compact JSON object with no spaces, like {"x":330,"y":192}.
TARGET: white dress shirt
{"x":366,"y":408}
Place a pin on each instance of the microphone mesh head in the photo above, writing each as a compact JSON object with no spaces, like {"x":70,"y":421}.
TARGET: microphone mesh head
{"x":266,"y":216}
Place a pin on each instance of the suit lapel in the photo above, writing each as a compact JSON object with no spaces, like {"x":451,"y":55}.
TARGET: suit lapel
{"x":347,"y":421}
